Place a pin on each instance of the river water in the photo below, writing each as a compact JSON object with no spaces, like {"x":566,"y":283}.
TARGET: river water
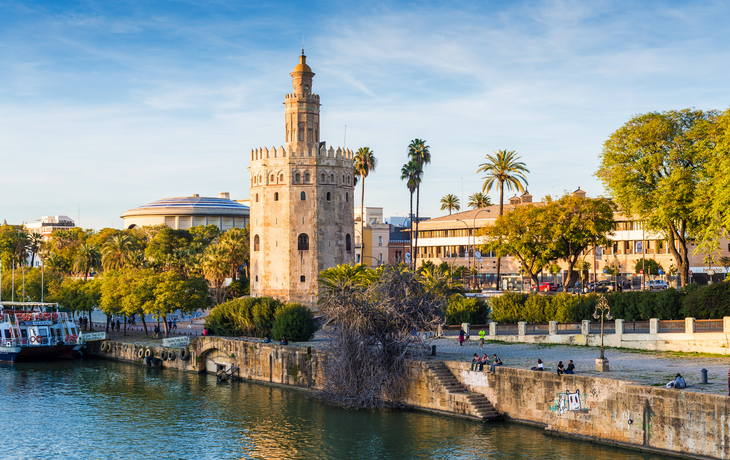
{"x":94,"y":409}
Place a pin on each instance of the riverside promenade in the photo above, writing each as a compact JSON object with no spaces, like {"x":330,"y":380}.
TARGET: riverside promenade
{"x":652,"y":368}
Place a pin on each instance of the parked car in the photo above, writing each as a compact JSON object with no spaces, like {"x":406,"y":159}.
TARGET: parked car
{"x":545,"y":287}
{"x":657,"y":284}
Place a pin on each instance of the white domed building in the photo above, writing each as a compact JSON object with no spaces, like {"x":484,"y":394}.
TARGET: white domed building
{"x":181,"y":213}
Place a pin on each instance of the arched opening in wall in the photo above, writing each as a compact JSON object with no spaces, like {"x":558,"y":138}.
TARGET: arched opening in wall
{"x":303,"y":196}
{"x":347,"y":197}
{"x":297,"y":177}
{"x":256,"y":241}
{"x":131,"y":226}
{"x":343,"y":178}
{"x":272,"y":179}
{"x":281,"y":178}
{"x":329,"y":196}
{"x":348,"y":180}
{"x":261,"y":179}
{"x":276,"y":196}
{"x":348,"y":243}
{"x":323,"y":179}
{"x":306,"y":178}
{"x":303,"y":242}
{"x":332,"y":178}
{"x":257,"y":197}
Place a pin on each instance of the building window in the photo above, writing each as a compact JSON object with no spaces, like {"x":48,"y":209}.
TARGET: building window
{"x":380,"y":241}
{"x":332,"y":178}
{"x":323,"y":179}
{"x":276,"y":196}
{"x":302,"y":278}
{"x":343,"y":178}
{"x":257,"y":197}
{"x":306,"y":177}
{"x":256,"y":243}
{"x":272,"y":179}
{"x":303,"y":242}
{"x":347,"y":197}
{"x":281,"y":178}
{"x":297,"y":178}
{"x":303,"y":196}
{"x":329,"y":197}
{"x":348,"y":243}
{"x":257,"y":278}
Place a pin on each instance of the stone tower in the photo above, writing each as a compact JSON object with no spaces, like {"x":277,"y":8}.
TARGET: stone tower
{"x":302,"y":215}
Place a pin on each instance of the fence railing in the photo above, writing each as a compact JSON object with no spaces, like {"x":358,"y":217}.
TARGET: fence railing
{"x":636,"y":327}
{"x":609,"y":327}
{"x":708,"y":325}
{"x":537,"y":329}
{"x":569,"y":328}
{"x":507,"y":329}
{"x":668,"y":326}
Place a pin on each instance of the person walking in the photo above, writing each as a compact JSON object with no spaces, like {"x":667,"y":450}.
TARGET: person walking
{"x":481,"y":338}
{"x":174,"y":324}
{"x":462,"y":336}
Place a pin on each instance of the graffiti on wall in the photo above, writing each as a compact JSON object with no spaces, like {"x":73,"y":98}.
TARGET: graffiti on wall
{"x":567,"y":401}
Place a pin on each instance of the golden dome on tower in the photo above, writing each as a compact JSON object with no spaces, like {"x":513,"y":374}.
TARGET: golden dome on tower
{"x":302,"y":66}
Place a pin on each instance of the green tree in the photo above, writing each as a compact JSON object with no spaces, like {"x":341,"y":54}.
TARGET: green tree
{"x":345,"y":278}
{"x":168,"y":249}
{"x":216,"y":265}
{"x":450,"y":202}
{"x":116,"y":252}
{"x":421,"y":154}
{"x":526,"y":234}
{"x":87,"y":258}
{"x":174,"y":292}
{"x":503,"y":169}
{"x":411,"y":173}
{"x":236,"y":243}
{"x":650,"y":266}
{"x":365,"y":163}
{"x":479,"y":200}
{"x":652,"y":166}
{"x":577,"y":225}
{"x":35,"y":244}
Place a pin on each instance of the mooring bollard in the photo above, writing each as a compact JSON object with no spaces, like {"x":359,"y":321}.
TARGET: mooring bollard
{"x":704,"y":376}
{"x":433,"y":350}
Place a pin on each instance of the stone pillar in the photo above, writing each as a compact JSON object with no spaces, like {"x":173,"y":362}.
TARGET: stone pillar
{"x":521,"y":326}
{"x":689,"y":325}
{"x":726,"y":324}
{"x":619,"y":326}
{"x":552,"y":328}
{"x":585,"y":327}
{"x":653,"y":325}
{"x":492,"y":329}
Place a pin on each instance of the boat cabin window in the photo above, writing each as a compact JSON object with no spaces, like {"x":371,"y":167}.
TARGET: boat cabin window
{"x":24,"y":333}
{"x":6,"y":333}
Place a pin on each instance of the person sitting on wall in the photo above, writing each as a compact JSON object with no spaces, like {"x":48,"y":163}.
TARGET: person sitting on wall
{"x":475,"y":362}
{"x":495,"y":363}
{"x":485,"y":360}
{"x":678,"y":382}
{"x":284,"y":341}
{"x":571,"y":367}
{"x":540,"y":366}
{"x":561,"y":368}
{"x":205,"y":331}
{"x":267,"y":339}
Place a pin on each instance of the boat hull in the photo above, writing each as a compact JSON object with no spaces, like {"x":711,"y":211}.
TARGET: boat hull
{"x":36,"y":353}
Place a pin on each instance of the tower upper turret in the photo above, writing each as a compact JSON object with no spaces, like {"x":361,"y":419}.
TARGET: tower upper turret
{"x":302,"y":112}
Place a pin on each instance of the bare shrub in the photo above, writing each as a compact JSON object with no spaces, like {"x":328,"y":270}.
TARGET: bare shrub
{"x":372,"y":338}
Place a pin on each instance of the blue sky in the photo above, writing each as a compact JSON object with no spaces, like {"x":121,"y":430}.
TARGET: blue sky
{"x":110,"y":105}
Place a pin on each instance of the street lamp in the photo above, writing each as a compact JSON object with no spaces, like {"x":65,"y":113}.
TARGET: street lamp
{"x":468,"y":257}
{"x":474,"y":242}
{"x":603,"y":310}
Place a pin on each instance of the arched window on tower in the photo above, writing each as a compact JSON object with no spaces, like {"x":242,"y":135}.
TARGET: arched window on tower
{"x":306,"y":177}
{"x":297,"y":178}
{"x":303,"y":196}
{"x":257,"y":197}
{"x":303,"y":242}
{"x":343,"y":178}
{"x":281,"y":178}
{"x":256,"y":243}
{"x":332,"y":178}
{"x":276,"y":196}
{"x":348,"y":243}
{"x":347,"y":197}
{"x":329,"y":196}
{"x":323,"y":179}
{"x":273,"y":179}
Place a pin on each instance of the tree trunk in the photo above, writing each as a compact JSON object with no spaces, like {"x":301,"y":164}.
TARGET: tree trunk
{"x":418,"y":198}
{"x":362,"y":222}
{"x":501,"y":211}
{"x":144,"y":323}
{"x":164,"y":322}
{"x":125,"y":325}
{"x":681,"y":254}
{"x":90,"y":324}
{"x":108,"y":320}
{"x":410,"y":239}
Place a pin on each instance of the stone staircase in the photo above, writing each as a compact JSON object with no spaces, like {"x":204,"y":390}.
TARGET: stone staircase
{"x":476,"y":403}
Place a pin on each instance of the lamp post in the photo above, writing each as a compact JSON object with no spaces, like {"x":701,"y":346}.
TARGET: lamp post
{"x":603,"y":310}
{"x":468,"y":257}
{"x":474,"y":243}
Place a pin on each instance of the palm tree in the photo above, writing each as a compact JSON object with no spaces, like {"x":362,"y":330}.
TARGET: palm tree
{"x":55,"y":262}
{"x":419,"y":151}
{"x":502,"y":169}
{"x":87,"y":258}
{"x":411,"y":173}
{"x":215,"y":265}
{"x":450,"y":202}
{"x":479,"y":200}
{"x":365,"y":162}
{"x":235,"y":241}
{"x":35,"y":243}
{"x":116,"y":252}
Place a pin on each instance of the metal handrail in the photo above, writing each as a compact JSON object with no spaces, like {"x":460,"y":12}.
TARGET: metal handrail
{"x":708,"y":325}
{"x":537,"y":329}
{"x":568,"y":328}
{"x":636,"y":327}
{"x":507,"y":329}
{"x":671,"y":326}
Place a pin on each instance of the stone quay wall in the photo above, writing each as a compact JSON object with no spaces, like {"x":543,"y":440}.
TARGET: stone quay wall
{"x":688,"y":424}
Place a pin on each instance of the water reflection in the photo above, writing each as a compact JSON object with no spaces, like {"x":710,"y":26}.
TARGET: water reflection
{"x":100,"y":409}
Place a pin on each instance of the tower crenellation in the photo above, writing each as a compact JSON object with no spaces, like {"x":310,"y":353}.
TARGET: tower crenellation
{"x":302,"y":202}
